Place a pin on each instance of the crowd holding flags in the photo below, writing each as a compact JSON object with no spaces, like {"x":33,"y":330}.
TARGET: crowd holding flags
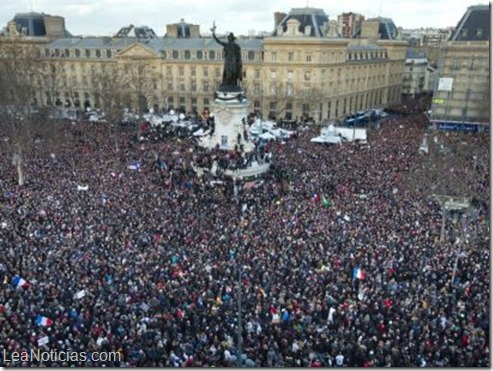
{"x":18,"y":281}
{"x":43,"y":321}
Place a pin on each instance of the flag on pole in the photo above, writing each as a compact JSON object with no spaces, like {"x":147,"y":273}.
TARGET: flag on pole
{"x":18,"y":281}
{"x":43,"y":321}
{"x":358,"y":273}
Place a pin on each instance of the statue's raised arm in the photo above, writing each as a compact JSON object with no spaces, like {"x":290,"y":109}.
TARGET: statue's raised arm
{"x":213,"y":29}
{"x":232,"y":73}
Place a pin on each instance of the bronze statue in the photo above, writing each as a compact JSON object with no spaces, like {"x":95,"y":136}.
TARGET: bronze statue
{"x":232,"y":74}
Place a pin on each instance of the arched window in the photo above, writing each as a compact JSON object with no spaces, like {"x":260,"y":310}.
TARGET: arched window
{"x":199,"y":54}
{"x":175,"y":54}
{"x":187,"y":54}
{"x":212,"y":55}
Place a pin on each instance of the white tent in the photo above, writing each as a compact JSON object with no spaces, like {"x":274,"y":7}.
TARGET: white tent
{"x":327,"y":139}
{"x":267,"y":136}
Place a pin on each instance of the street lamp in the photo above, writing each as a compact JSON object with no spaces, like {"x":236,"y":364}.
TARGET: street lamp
{"x":450,"y":203}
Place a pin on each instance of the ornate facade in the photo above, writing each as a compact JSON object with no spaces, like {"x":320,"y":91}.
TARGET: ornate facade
{"x":303,"y":69}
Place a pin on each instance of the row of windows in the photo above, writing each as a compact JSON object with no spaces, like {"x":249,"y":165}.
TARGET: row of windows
{"x":358,"y":56}
{"x":211,"y":55}
{"x":77,"y":53}
{"x":173,"y":54}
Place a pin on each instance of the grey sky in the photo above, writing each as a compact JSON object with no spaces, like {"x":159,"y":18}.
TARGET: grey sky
{"x":106,"y":17}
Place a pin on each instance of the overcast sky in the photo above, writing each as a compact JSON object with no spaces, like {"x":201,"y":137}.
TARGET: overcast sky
{"x":106,"y":17}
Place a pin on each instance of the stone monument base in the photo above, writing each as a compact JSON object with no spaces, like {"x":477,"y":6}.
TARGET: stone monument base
{"x":230,"y":110}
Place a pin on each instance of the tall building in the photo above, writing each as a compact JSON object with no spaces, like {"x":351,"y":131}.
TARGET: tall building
{"x":463,"y":92}
{"x":415,"y":74}
{"x":347,"y":23}
{"x":304,"y":68}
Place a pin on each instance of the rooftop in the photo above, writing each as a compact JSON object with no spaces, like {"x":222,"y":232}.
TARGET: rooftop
{"x":314,"y":17}
{"x":474,"y":25}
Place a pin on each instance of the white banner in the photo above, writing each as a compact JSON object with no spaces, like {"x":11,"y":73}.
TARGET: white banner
{"x":445,"y":84}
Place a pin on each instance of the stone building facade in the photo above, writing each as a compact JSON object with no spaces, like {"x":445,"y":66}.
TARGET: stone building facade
{"x":463,"y":91}
{"x":303,"y":69}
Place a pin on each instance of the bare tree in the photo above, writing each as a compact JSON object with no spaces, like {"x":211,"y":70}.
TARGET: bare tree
{"x":110,"y":89}
{"x":21,"y":123}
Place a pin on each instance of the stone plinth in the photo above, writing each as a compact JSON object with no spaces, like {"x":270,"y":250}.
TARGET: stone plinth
{"x":230,"y":110}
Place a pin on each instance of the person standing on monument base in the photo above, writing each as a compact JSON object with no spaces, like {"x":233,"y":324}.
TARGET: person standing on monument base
{"x":232,"y":73}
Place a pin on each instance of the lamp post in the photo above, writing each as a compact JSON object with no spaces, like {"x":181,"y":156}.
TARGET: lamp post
{"x":460,"y":241}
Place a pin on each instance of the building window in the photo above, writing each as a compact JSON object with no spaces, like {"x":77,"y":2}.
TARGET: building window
{"x":187,"y":54}
{"x":290,"y":90}
{"x":305,"y":109}
{"x":251,"y":55}
{"x":193,"y":71}
{"x":290,"y":57}
{"x":309,"y":58}
{"x":88,"y":53}
{"x":77,"y":53}
{"x":98,"y":53}
{"x":290,"y":75}
{"x":175,"y":54}
{"x":256,"y":104}
{"x":169,"y":71}
{"x":170,"y":86}
{"x":218,"y":72}
{"x":182,"y":86}
{"x":307,"y":76}
{"x":273,"y":74}
{"x":205,"y":71}
{"x":66,"y":53}
{"x":256,"y":89}
{"x":205,"y":86}
{"x":194,"y":86}
{"x":257,"y":74}
{"x":212,"y":55}
{"x":199,"y":54}
{"x":108,"y":53}
{"x":181,"y":71}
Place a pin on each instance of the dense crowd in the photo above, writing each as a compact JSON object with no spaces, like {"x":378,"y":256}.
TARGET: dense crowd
{"x":338,"y":261}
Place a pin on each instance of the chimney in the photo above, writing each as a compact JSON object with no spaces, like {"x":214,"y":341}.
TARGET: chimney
{"x":12,"y":28}
{"x":369,"y":29}
{"x":171,"y":31}
{"x":278,"y":17}
{"x":194,"y":31}
{"x":54,"y":25}
{"x":332,"y":29}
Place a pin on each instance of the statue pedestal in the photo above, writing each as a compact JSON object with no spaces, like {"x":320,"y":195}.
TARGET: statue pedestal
{"x":230,"y":109}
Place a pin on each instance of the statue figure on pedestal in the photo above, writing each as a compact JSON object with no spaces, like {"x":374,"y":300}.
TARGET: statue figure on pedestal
{"x":232,"y":73}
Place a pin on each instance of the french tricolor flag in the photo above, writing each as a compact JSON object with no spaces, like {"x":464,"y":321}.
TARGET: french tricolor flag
{"x":358,"y":273}
{"x":43,"y":321}
{"x":18,"y":281}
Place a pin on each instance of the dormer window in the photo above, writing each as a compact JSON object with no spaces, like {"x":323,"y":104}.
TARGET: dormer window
{"x":479,"y":32}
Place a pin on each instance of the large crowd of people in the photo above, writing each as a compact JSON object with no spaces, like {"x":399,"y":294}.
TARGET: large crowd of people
{"x":332,"y":258}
